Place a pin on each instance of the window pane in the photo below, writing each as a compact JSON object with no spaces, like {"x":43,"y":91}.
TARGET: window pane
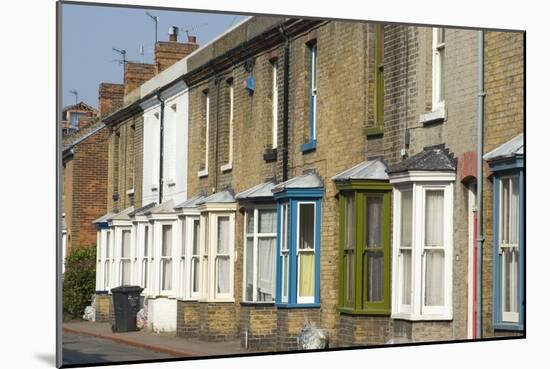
{"x":505,"y":211}
{"x":406,"y":276}
{"x":145,"y":268}
{"x":442,"y":74}
{"x":375,"y":276}
{"x":266,"y":268}
{"x":195,"y":274}
{"x":406,"y":218}
{"x":249,"y":269}
{"x":285,"y":275}
{"x":146,"y":241}
{"x":196,"y":233}
{"x":223,"y":274}
{"x":250,"y":221}
{"x":107,"y":270}
{"x":108,"y":245}
{"x":350,"y":222}
{"x":268,"y":221}
{"x":166,"y":240}
{"x":348,"y":277}
{"x":434,"y":278}
{"x":374,"y":221}
{"x":514,"y":210}
{"x":183,"y":237}
{"x":167,"y":274}
{"x":306,"y":278}
{"x":125,"y":272}
{"x":285,"y":234}
{"x":125,"y":244}
{"x":434,"y":218}
{"x":509,"y":280}
{"x":223,"y":235}
{"x":307,"y":217}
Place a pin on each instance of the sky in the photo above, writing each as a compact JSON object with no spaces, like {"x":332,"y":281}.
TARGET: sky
{"x":90,"y":32}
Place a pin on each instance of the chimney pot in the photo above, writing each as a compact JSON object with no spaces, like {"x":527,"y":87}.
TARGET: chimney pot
{"x":173,"y":33}
{"x":192,"y":39}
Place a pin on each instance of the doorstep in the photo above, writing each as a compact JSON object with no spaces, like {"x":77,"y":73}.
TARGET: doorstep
{"x":167,"y":343}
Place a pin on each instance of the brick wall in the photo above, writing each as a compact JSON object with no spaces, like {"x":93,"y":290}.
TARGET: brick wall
{"x":290,"y":323}
{"x":504,"y":120}
{"x":217,"y":321}
{"x":169,"y":52}
{"x":111,"y":96}
{"x":135,"y":74}
{"x":363,"y":330}
{"x":258,"y":327}
{"x":188,"y":319}
{"x":104,"y":312}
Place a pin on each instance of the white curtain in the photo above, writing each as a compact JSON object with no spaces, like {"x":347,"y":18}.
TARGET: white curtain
{"x":266,"y":267}
{"x":374,"y":221}
{"x":125,"y":244}
{"x":514,"y":209}
{"x":306,"y":226}
{"x":434,"y":258}
{"x":196,"y":235}
{"x":166,"y":241}
{"x":510,"y":261}
{"x":107,"y":274}
{"x":166,"y":257}
{"x":268,"y":221}
{"x":375,"y":268}
{"x":249,"y":268}
{"x":223,"y":261}
{"x":406,"y":218}
{"x":406,"y":276}
{"x":167,"y":274}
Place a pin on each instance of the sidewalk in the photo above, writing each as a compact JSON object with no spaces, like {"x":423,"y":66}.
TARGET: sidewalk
{"x":167,"y":343}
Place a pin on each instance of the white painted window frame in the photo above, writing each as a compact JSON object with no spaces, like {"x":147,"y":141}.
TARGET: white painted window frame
{"x":204,"y":172}
{"x":256,"y":235}
{"x":124,"y":259}
{"x":154,"y":129}
{"x":508,"y":316}
{"x":285,"y":250}
{"x":185,"y":269}
{"x":274,"y":104}
{"x":421,"y":183}
{"x":229,"y":165}
{"x":161,"y":258}
{"x":144,"y":234}
{"x":194,"y":294}
{"x":170,"y":136}
{"x":305,"y":299}
{"x":438,"y":97}
{"x":108,"y":260}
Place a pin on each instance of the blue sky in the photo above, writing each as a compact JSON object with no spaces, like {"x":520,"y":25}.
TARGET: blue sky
{"x":90,"y":32}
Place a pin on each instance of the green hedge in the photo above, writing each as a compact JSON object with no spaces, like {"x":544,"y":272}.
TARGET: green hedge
{"x":78,"y":281}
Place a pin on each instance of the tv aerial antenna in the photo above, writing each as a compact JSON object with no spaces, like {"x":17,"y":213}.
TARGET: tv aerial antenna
{"x":75,"y":93}
{"x":191,"y":28}
{"x":155,"y":19}
{"x":122,"y":53}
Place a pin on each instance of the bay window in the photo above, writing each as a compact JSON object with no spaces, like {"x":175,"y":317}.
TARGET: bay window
{"x":506,"y":163}
{"x":298,"y":246}
{"x":364,"y":223}
{"x":260,"y":238}
{"x":108,"y":258}
{"x":166,"y":259}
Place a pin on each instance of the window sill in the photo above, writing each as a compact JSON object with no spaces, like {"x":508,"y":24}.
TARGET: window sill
{"x":508,"y":327}
{"x":373,"y":132}
{"x":224,"y":301}
{"x":350,"y":311}
{"x":187,"y":299}
{"x":259,"y":303}
{"x":130,"y":191}
{"x":308,"y":146}
{"x":202,"y":173}
{"x":436,"y":116}
{"x":297,"y":306}
{"x":413,"y":317}
{"x":270,"y":155}
{"x":226,"y":167}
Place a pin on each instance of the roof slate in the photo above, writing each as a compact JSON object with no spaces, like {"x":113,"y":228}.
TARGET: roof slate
{"x":308,"y":180}
{"x":224,"y":196}
{"x":432,"y":158}
{"x":372,"y":169}
{"x":142,"y":210}
{"x":190,"y":203}
{"x":263,"y":190}
{"x":512,"y":148}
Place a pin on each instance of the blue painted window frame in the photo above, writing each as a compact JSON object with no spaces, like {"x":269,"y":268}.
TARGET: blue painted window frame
{"x":293,"y":197}
{"x":513,"y":166}
{"x":312,"y":143}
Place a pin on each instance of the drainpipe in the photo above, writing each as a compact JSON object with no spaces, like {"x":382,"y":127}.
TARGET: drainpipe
{"x":161,"y":149}
{"x":285,"y":102}
{"x":480,"y":237}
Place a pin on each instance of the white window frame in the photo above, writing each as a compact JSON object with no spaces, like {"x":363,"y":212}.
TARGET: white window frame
{"x":256,"y":235}
{"x":438,"y":77}
{"x":204,"y":172}
{"x":508,"y":316}
{"x":170,"y":135}
{"x":166,"y":292}
{"x":192,"y":266}
{"x":208,"y":247}
{"x":144,"y":231}
{"x":229,"y":164}
{"x":424,"y":181}
{"x":108,"y":260}
{"x":274,"y":104}
{"x":313,"y":92}
{"x":125,"y":259}
{"x":305,"y":299}
{"x":155,"y":137}
{"x":216,"y":256}
{"x":285,"y":250}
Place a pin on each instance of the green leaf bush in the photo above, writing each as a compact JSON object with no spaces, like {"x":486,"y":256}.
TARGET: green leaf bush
{"x":78,"y":281}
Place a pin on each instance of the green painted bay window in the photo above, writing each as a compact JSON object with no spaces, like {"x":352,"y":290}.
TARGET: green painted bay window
{"x":364,"y":253}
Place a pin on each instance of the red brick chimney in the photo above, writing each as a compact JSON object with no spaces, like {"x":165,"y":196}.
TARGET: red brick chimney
{"x":170,"y":52}
{"x":111,"y":96}
{"x":135,"y":74}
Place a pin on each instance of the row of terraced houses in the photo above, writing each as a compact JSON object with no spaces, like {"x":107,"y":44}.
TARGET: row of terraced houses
{"x":302,"y":170}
